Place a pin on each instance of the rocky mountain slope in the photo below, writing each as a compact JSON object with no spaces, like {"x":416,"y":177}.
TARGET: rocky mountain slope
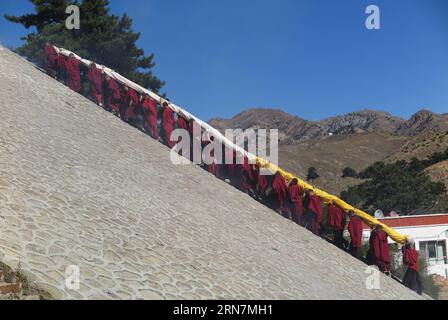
{"x":424,"y":121}
{"x":294,"y":129}
{"x":422,"y":146}
{"x":439,"y":173}
{"x":81,"y":189}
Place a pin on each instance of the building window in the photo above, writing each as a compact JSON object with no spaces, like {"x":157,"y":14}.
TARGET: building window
{"x":434,"y":251}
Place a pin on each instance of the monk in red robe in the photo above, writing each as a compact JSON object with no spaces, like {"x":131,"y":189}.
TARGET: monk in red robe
{"x":113,"y":95}
{"x":62,"y":68}
{"x":182,"y":123}
{"x":355,"y":231}
{"x":150,"y":112}
{"x":380,"y":249}
{"x":245,"y":175}
{"x":262,"y":183}
{"x":210,"y":161}
{"x":313,"y":215}
{"x":50,"y":60}
{"x":212,"y":167}
{"x":195,"y":131}
{"x":336,"y":220}
{"x":167,"y":125}
{"x":130,"y":102}
{"x":279,"y":192}
{"x":245,"y":181}
{"x":412,"y":278}
{"x":73,"y":73}
{"x":95,"y":77}
{"x":295,"y":197}
{"x":231,"y":166}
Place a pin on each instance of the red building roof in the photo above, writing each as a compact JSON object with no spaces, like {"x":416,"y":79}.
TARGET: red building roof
{"x":413,"y":221}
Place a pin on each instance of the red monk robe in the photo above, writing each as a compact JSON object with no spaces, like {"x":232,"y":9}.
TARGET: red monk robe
{"x":262,"y":182}
{"x":167,"y":125}
{"x":315,"y":214}
{"x":336,"y":220}
{"x":279,"y":192}
{"x":50,"y":59}
{"x":210,"y":164}
{"x":410,"y":258}
{"x":336,"y":217}
{"x":62,"y":68}
{"x":245,"y":180}
{"x":131,"y":102}
{"x":246,"y":177}
{"x":73,"y":74}
{"x":411,"y":278}
{"x":182,"y":123}
{"x":149,"y":107}
{"x":95,"y":77}
{"x":231,"y":166}
{"x":295,"y":195}
{"x":195,"y":132}
{"x":113,"y":95}
{"x":381,"y":251}
{"x":355,"y":231}
{"x":192,"y":124}
{"x":213,"y":167}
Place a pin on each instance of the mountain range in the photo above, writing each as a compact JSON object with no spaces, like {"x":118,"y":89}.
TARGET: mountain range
{"x":292,"y":128}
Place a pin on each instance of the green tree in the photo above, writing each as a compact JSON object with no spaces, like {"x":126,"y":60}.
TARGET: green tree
{"x":416,"y":165}
{"x":312,"y":174}
{"x":355,"y":196}
{"x":435,"y":158}
{"x":104,"y":38}
{"x":394,"y":187}
{"x":349,"y":172}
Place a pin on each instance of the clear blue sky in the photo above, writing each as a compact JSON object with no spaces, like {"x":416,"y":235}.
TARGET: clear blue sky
{"x":311,"y":58}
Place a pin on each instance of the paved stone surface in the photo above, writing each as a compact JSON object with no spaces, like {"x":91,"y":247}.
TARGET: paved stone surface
{"x":80,"y":187}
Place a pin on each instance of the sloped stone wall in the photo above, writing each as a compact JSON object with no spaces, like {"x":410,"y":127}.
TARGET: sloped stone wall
{"x":80,"y":187}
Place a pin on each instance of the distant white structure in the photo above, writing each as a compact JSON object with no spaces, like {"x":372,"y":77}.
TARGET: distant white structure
{"x":379,"y":214}
{"x":430,"y":233}
{"x":393,"y":214}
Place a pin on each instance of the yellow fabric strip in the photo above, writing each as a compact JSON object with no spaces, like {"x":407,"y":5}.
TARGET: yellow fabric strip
{"x":328,"y":198}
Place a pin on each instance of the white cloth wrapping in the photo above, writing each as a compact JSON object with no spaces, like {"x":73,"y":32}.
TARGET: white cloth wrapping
{"x":178,"y":110}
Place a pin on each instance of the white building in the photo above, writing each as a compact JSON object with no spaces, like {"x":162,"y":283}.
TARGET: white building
{"x":430,"y":233}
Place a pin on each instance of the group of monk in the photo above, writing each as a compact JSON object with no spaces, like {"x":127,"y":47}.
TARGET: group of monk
{"x":138,"y":110}
{"x":303,"y":207}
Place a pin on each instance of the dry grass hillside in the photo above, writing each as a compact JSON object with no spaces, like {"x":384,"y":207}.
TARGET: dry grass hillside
{"x":422,"y":146}
{"x":332,"y":154}
{"x":439,"y":173}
